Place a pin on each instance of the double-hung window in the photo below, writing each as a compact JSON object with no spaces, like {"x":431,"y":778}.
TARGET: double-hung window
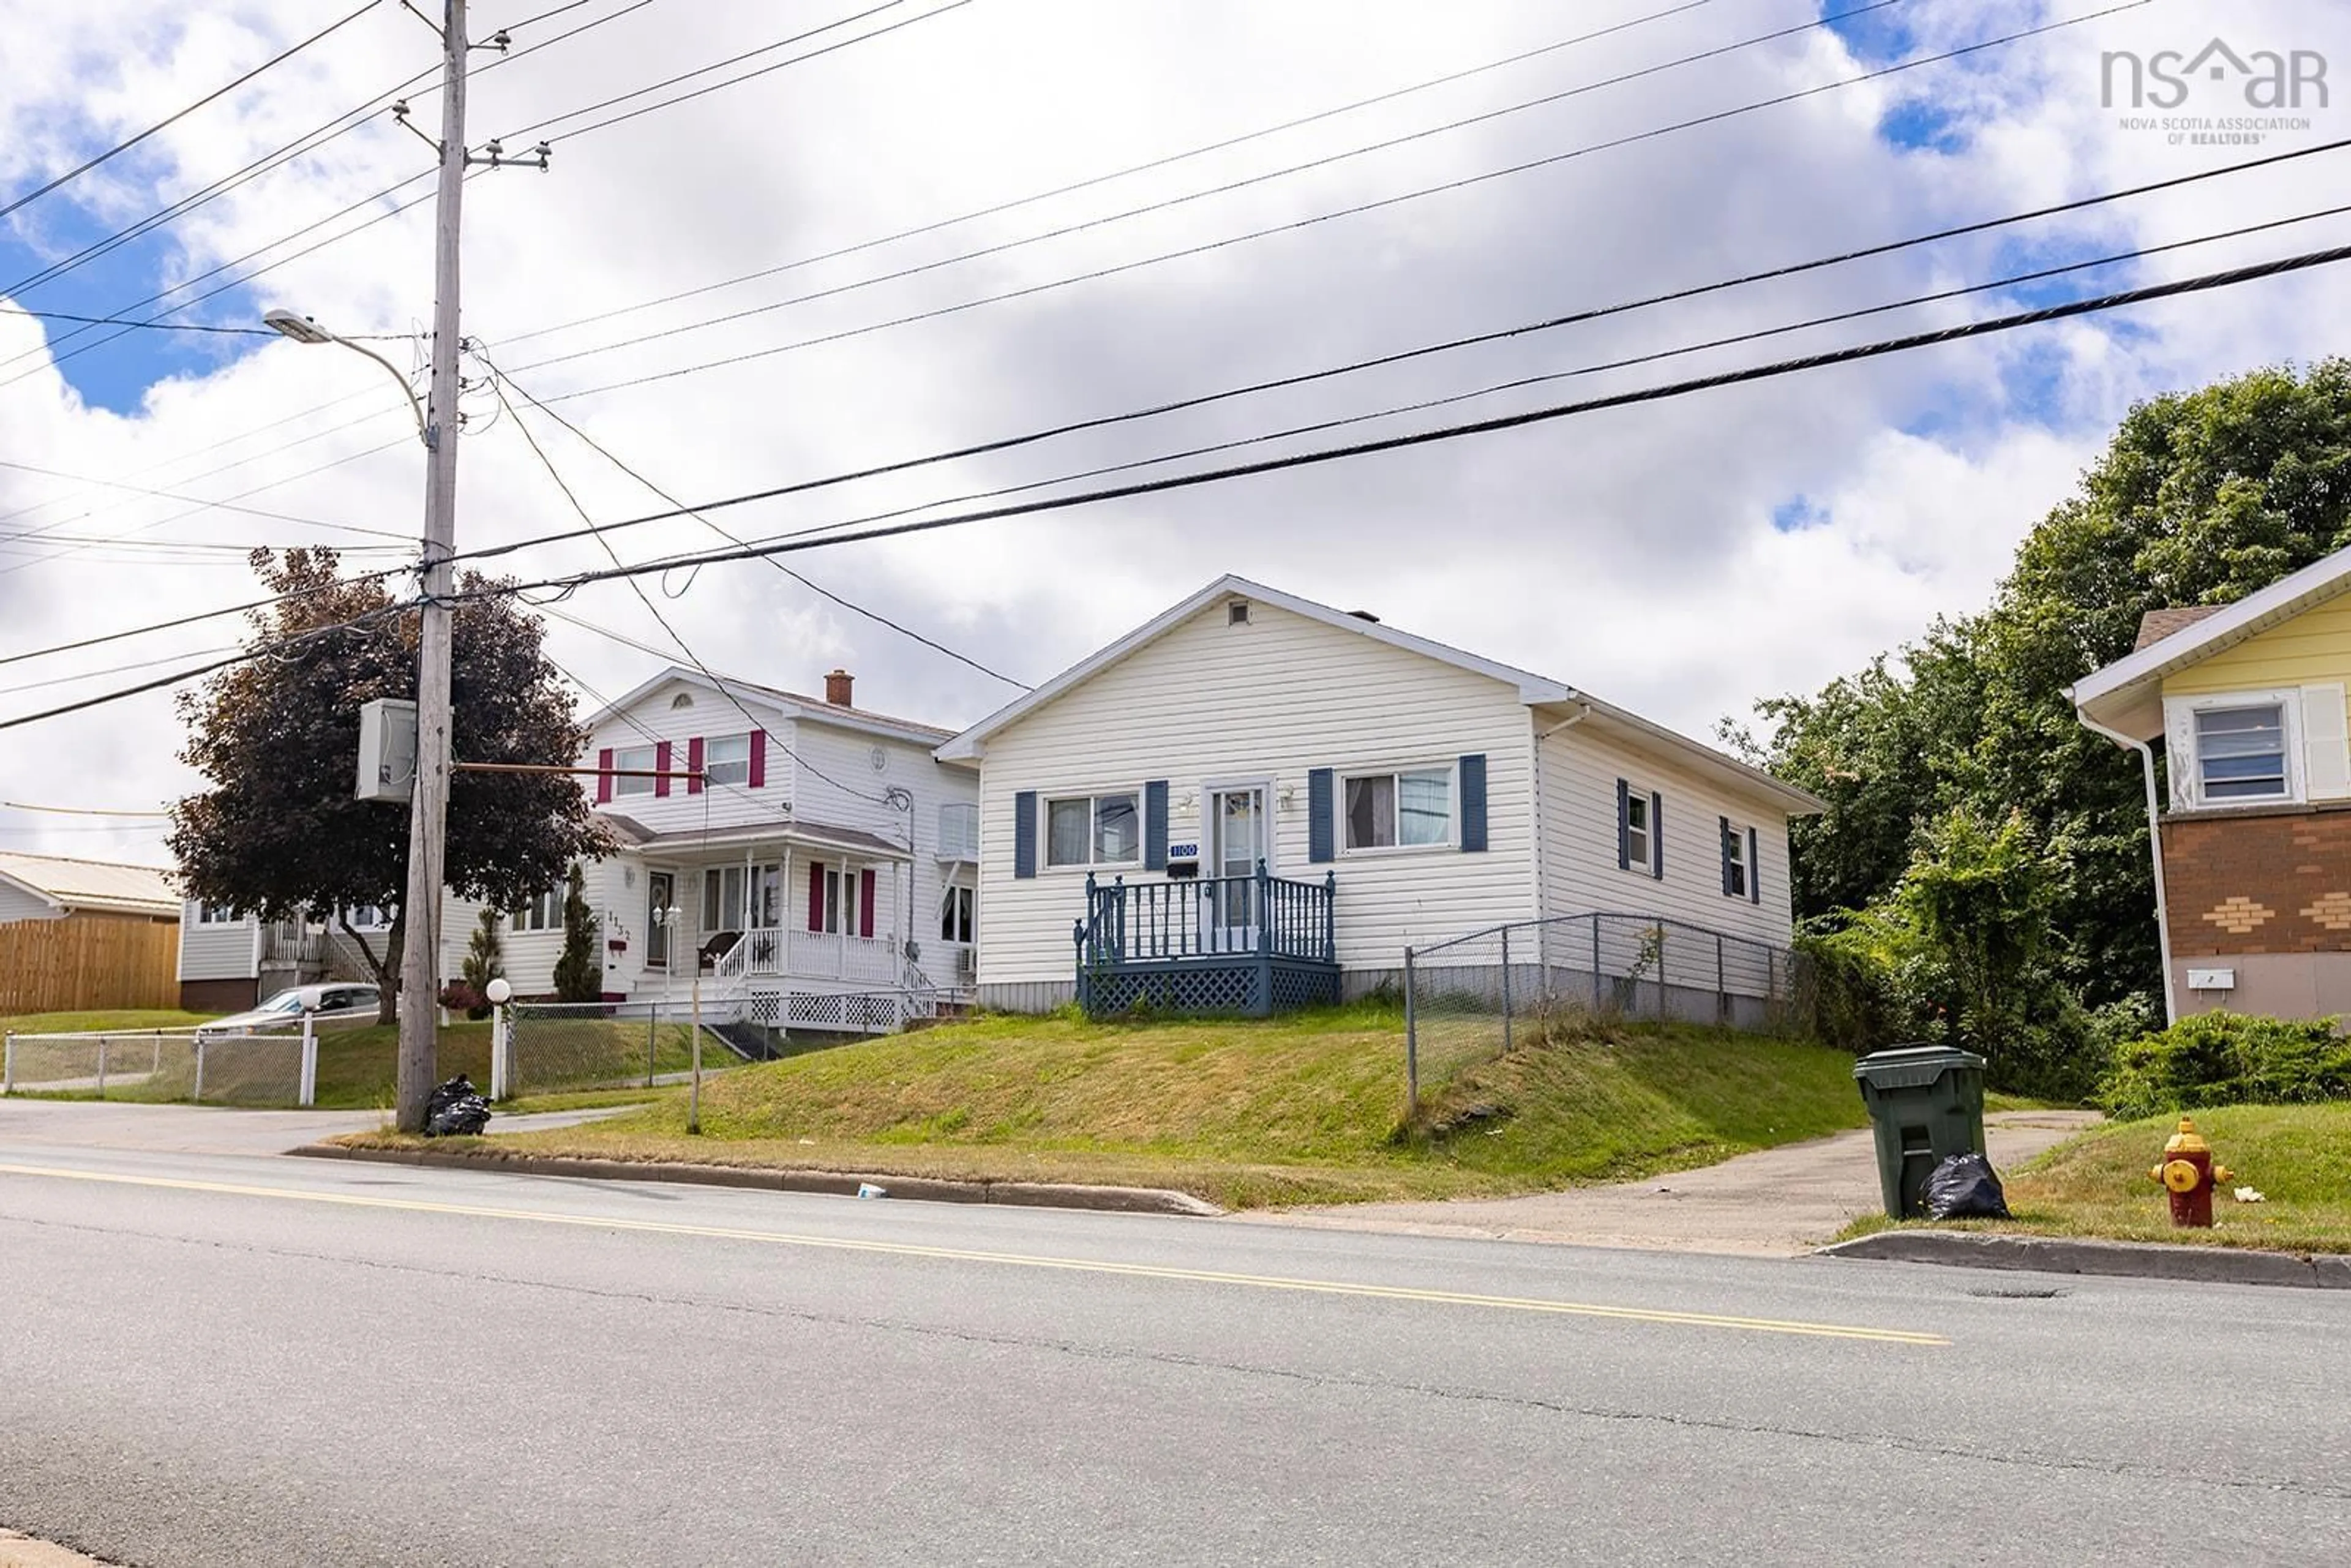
{"x":544,"y":912}
{"x":958,"y":909}
{"x":2240,"y":754}
{"x":1639,"y":829}
{"x":1410,"y":807}
{"x":727,"y":760}
{"x":638,"y":760}
{"x":216,"y":915}
{"x":1093,"y":829}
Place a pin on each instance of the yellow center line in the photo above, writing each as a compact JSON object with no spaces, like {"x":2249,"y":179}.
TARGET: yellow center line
{"x":1011,"y":1260}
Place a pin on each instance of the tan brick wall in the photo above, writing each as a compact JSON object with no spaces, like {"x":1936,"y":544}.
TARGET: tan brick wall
{"x":2271,"y":882}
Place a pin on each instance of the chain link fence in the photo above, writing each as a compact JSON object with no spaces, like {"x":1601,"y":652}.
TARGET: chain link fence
{"x":189,"y":1067}
{"x":559,"y":1045}
{"x":1472,"y":999}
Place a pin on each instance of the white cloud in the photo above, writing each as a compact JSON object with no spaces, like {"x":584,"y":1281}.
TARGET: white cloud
{"x":1631,"y":551}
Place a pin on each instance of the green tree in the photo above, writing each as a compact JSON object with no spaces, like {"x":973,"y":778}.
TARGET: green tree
{"x":2200,"y":498}
{"x":484,"y":962}
{"x":580,"y":969}
{"x":277,"y":830}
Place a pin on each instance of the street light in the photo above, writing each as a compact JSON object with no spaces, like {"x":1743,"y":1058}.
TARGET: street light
{"x":302,"y":329}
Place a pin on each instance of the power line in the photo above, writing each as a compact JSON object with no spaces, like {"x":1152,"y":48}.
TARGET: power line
{"x":74,"y":810}
{"x":1093,"y":180}
{"x":225,"y":505}
{"x":127,"y":321}
{"x":1769,"y":371}
{"x":873,"y":615}
{"x":1289,"y":226}
{"x":578,"y":132}
{"x":293,"y":150}
{"x":121,"y":147}
{"x":193,"y":620}
{"x":1226,"y":188}
{"x":654,"y":611}
{"x":539,"y":125}
{"x":1522,"y":328}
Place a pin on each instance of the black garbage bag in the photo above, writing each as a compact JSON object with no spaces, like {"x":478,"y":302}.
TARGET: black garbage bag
{"x":1964,"y":1188}
{"x":456,"y":1109}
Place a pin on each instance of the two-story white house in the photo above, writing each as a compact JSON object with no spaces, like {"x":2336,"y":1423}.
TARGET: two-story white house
{"x":822,"y":869}
{"x":820,"y":873}
{"x":1255,"y":802}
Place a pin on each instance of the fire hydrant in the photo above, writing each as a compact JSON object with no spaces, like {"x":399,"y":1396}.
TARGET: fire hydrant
{"x":2188,"y":1174}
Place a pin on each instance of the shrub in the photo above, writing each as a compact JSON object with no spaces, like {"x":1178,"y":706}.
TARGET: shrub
{"x":2228,"y":1059}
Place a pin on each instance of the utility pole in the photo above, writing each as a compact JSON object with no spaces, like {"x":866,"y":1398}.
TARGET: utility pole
{"x":420,"y":958}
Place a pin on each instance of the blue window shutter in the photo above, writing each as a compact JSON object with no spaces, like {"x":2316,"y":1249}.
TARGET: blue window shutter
{"x":1728,"y":842}
{"x":1473,"y":802}
{"x":1754,"y":870}
{"x":1322,"y":816}
{"x":1624,"y":826}
{"x":1024,"y":833}
{"x":1657,"y":835}
{"x":1155,"y":825}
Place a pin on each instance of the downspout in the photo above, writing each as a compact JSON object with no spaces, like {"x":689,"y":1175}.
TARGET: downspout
{"x":2155,"y":849}
{"x":1583,"y":711}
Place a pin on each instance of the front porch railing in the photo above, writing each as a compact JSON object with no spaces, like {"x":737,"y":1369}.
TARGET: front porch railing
{"x":1259,"y":916}
{"x":1251,"y":945}
{"x":816,"y":954}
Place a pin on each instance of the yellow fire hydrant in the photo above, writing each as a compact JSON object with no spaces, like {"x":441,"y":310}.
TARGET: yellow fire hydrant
{"x":2188,"y":1174}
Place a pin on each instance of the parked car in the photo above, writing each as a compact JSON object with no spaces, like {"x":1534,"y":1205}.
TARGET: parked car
{"x":334,"y":1001}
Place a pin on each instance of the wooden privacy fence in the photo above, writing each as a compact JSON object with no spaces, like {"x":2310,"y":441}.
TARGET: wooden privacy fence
{"x":74,"y":965}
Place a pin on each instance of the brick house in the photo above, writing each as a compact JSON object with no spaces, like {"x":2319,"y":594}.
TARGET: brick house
{"x":2252,"y":864}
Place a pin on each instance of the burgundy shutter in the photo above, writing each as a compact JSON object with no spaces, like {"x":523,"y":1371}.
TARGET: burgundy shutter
{"x":604,"y":777}
{"x":693,"y":766}
{"x":758,"y":759}
{"x":865,"y":903}
{"x":816,"y":882}
{"x":661,"y":766}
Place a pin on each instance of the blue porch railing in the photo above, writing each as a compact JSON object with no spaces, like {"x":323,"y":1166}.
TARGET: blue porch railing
{"x":1252,"y":945}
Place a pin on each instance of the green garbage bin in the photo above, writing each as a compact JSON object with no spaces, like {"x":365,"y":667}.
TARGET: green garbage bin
{"x":1927,"y":1104}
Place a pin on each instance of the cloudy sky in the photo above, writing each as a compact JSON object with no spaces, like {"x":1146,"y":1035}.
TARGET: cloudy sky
{"x":718,"y":290}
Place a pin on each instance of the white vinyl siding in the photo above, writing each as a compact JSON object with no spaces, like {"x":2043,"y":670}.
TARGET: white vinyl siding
{"x":1581,"y":766}
{"x":1211,"y":704}
{"x":216,"y":950}
{"x":16,"y":904}
{"x":655,"y":718}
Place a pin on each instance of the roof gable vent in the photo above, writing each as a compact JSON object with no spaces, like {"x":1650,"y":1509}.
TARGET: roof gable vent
{"x":1236,"y":613}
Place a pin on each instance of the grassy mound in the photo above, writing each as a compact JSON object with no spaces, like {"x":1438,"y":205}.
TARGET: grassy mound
{"x":1299,"y":1109}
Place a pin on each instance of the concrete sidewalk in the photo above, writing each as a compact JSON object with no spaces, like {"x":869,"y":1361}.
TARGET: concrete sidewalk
{"x":1778,"y":1203}
{"x":214,"y":1129}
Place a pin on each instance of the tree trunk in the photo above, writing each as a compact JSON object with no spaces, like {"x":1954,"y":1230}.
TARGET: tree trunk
{"x":387,"y":969}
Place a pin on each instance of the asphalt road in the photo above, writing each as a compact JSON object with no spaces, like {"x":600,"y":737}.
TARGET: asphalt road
{"x":209,"y":1359}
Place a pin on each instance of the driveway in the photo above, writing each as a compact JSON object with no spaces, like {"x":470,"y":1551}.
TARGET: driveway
{"x":1777,"y":1203}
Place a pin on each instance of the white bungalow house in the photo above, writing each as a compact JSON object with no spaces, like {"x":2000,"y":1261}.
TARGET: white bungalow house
{"x":822,"y":877}
{"x":1256,"y":802}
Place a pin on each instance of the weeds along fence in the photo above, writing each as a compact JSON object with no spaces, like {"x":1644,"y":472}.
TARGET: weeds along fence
{"x":557,"y":1046}
{"x":1470,"y":1000}
{"x":191,"y":1068}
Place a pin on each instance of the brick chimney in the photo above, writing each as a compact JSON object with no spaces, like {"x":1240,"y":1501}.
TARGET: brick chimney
{"x":836,"y":686}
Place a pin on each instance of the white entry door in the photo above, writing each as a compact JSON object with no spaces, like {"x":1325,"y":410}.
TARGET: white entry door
{"x":1236,"y":842}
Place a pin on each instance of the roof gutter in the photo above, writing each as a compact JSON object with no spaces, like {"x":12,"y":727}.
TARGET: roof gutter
{"x":2153,"y":846}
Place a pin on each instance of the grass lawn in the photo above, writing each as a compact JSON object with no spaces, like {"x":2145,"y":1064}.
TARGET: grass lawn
{"x":2297,"y":1156}
{"x":1301,"y":1109}
{"x":91,"y":1022}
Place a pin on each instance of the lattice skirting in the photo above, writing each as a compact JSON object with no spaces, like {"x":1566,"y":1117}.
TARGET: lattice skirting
{"x":1251,"y":987}
{"x":859,"y":1012}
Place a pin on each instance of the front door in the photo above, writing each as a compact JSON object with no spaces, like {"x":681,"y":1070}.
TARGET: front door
{"x":661,"y":889}
{"x":1236,"y":843}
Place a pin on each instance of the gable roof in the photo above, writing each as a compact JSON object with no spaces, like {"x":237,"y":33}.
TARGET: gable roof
{"x":1535,"y":691}
{"x":106,"y":885}
{"x":787,"y":704}
{"x":2157,"y":624}
{"x":2128,"y":694}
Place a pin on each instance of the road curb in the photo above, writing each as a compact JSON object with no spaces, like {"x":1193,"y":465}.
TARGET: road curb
{"x":2066,"y":1255}
{"x":839,"y":1184}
